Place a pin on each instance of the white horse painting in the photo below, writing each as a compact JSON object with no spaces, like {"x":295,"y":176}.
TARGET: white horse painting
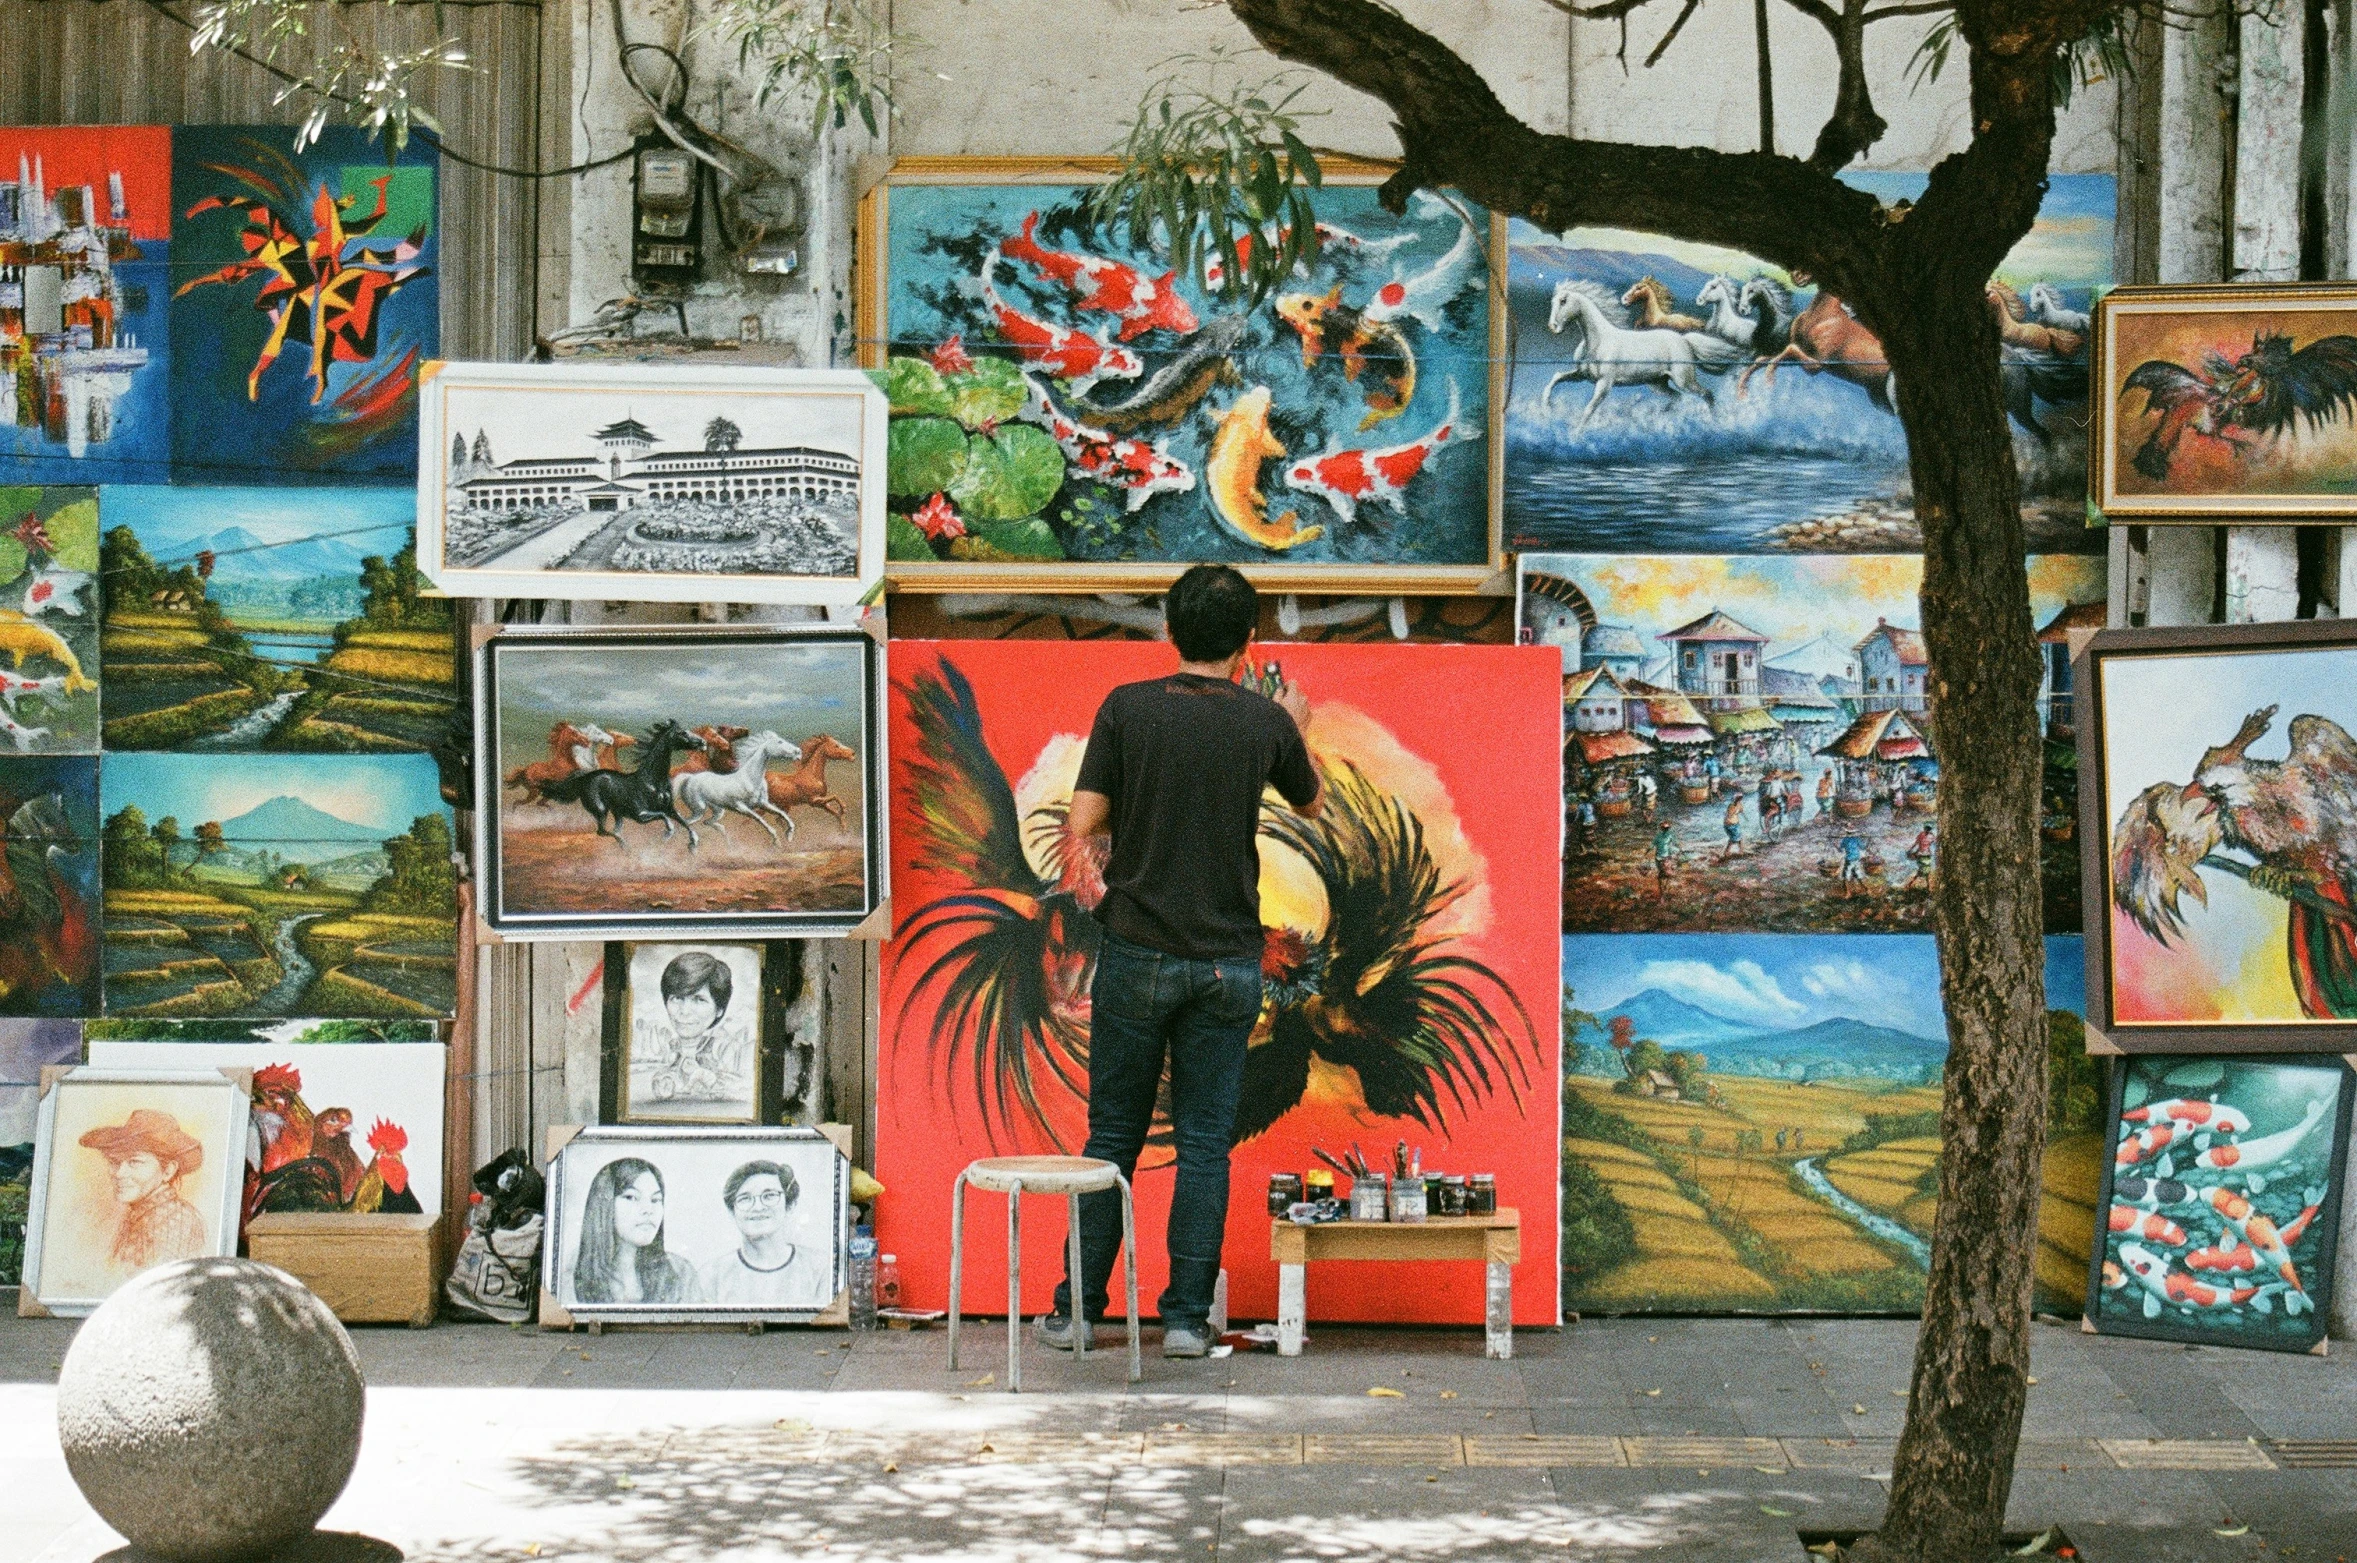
{"x":1610,"y":353}
{"x":2047,"y":309}
{"x":704,"y":797}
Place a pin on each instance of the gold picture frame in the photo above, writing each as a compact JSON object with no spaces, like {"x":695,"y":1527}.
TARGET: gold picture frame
{"x":2164,"y":451}
{"x":871,"y":290}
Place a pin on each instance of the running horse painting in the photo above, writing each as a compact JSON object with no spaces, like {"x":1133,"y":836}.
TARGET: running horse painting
{"x":806,"y":784}
{"x":642,"y":796}
{"x":571,"y":750}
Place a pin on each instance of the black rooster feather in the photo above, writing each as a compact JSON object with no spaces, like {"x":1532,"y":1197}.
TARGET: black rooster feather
{"x":2270,"y":391}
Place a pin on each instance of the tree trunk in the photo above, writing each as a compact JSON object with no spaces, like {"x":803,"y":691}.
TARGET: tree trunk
{"x":1955,"y":1460}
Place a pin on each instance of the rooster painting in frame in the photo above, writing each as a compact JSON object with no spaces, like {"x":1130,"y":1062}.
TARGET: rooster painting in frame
{"x":1409,"y":978}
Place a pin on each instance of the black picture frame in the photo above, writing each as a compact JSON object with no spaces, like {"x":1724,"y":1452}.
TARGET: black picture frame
{"x":2098,"y":811}
{"x":505,"y":651}
{"x":791,"y":1087}
{"x":2318,"y":1276}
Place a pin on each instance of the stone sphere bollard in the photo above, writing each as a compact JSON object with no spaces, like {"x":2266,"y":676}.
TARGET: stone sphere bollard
{"x":210,"y":1410}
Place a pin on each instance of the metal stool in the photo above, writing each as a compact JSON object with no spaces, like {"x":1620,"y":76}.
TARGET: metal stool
{"x":1015,"y":1176}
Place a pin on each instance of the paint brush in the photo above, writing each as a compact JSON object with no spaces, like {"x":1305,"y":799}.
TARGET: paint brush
{"x":1331,"y":1162}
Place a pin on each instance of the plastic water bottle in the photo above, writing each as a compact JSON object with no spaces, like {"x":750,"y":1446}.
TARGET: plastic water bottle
{"x":887,"y":1281}
{"x":863,"y":1280}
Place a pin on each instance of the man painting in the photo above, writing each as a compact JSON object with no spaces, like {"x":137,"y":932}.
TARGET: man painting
{"x":147,"y":1156}
{"x":762,"y":1270}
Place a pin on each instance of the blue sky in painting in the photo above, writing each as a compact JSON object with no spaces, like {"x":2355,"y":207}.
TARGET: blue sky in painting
{"x":384,"y":792}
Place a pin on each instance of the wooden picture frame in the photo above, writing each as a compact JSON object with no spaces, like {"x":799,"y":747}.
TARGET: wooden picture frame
{"x":693,"y":1168}
{"x":2174,"y":813}
{"x":751,"y":682}
{"x":215,"y":1101}
{"x":598,"y":426}
{"x":2170,"y":1262}
{"x":1482,"y":403}
{"x":2191,"y":340}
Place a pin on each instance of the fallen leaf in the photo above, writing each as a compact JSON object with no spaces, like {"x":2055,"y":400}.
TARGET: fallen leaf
{"x":1653,"y":1394}
{"x":1769,"y":1470}
{"x":1385,"y":1392}
{"x":2033,"y":1378}
{"x":533,"y":1550}
{"x":1857,"y":1410}
{"x":1174,"y":1427}
{"x":1902,"y":1394}
{"x":792,"y":1424}
{"x":2038,"y":1543}
{"x":2239,"y":1530}
{"x":1432,"y":1478}
{"x":890,"y":1466}
{"x":984,"y":1382}
{"x":624,"y":1481}
{"x":1448,"y":1394}
{"x":986,"y":1449}
{"x":1782,"y":1514}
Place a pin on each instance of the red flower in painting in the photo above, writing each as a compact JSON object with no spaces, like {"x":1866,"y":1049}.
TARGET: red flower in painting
{"x":938,"y":520}
{"x":951,"y":356}
{"x":33,"y":535}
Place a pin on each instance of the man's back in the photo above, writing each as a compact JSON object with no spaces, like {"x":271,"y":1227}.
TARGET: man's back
{"x":1183,"y":761}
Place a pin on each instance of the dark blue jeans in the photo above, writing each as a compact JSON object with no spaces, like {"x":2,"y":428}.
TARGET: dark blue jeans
{"x":1148,"y":1006}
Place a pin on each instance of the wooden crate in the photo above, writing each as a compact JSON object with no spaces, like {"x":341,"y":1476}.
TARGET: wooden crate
{"x":367,"y":1269}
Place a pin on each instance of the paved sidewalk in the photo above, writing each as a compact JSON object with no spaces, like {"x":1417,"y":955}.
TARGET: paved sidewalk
{"x":1702,"y":1441}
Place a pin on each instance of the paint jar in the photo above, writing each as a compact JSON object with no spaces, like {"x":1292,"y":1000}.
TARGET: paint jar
{"x":1432,"y":1193}
{"x":1407,"y":1201}
{"x":1285,"y":1191}
{"x":1452,"y":1195}
{"x":1367,"y":1196}
{"x":1481,"y":1194}
{"x":1319,"y":1184}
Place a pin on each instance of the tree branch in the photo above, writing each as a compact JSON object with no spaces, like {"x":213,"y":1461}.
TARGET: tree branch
{"x":1454,"y":131}
{"x":1854,"y":125}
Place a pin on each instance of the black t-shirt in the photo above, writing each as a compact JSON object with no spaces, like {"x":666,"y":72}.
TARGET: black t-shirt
{"x":1184,"y":760}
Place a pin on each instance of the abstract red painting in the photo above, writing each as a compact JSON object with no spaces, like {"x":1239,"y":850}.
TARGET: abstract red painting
{"x":1411,"y":979}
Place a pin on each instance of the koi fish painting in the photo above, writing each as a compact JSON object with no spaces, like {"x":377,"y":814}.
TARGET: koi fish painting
{"x":1069,"y":406}
{"x":305,"y":303}
{"x":1408,"y":982}
{"x":2222,"y":1200}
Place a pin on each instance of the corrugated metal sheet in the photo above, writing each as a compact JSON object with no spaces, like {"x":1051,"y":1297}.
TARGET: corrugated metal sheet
{"x":100,"y":62}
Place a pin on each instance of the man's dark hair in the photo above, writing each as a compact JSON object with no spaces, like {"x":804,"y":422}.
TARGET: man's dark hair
{"x":754,"y":1169}
{"x":1211,"y":611}
{"x":696,"y":971}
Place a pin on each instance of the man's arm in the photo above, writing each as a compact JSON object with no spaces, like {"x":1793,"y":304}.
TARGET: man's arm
{"x":1295,"y":704}
{"x":1091,"y":815}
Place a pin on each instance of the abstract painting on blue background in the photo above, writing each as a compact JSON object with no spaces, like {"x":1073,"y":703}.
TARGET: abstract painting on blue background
{"x":1670,"y":396}
{"x":1061,"y":394}
{"x":85,"y":244}
{"x":306,"y":302}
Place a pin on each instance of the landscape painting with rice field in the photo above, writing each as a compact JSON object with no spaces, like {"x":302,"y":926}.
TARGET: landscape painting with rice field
{"x":1751,"y":1124}
{"x":680,"y":780}
{"x":272,"y":885}
{"x":271,"y":619}
{"x":1668,"y":395}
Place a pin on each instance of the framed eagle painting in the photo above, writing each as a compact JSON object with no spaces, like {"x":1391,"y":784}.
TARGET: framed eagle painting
{"x":2226,"y":401}
{"x":2218,"y":830}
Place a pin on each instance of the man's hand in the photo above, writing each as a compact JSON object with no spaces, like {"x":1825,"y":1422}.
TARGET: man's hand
{"x":1293,"y":703}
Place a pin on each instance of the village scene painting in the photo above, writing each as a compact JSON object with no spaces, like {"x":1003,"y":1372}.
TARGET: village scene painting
{"x":48,"y":620}
{"x":1747,"y":740}
{"x":595,"y":481}
{"x":1671,"y":395}
{"x":2226,"y":856}
{"x":1751,"y":1124}
{"x":306,"y":303}
{"x":262,"y":885}
{"x":653,"y":777}
{"x":254,"y":618}
{"x":85,"y":286}
{"x":1061,"y":393}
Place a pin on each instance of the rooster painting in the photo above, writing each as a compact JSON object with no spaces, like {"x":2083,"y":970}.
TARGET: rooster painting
{"x":2287,"y":826}
{"x":1366,"y":996}
{"x":2269,"y":393}
{"x":304,"y":1161}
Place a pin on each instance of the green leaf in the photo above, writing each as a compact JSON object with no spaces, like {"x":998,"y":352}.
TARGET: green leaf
{"x":12,"y":559}
{"x":1029,"y":538}
{"x":73,"y":534}
{"x":990,"y":392}
{"x":902,"y":541}
{"x":914,"y":386}
{"x":923,"y":456}
{"x":1008,"y":475}
{"x":2095,"y":516}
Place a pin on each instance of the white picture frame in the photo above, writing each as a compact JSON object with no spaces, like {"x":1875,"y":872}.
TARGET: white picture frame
{"x":597,"y":438}
{"x":697,"y":1273}
{"x":212,"y":1102}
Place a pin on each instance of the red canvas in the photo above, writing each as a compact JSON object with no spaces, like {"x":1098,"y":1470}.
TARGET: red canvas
{"x":74,"y":155}
{"x":1446,"y":755}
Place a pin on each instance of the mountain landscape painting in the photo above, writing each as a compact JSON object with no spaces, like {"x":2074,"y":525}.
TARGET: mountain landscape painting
{"x":270,"y":619}
{"x":1751,"y":1124}
{"x":275,"y":885}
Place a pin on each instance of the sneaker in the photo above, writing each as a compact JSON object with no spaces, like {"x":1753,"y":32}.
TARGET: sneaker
{"x":1186,"y":1340}
{"x":1057,"y":1331}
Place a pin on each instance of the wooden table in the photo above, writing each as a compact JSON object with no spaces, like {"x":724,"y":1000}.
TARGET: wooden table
{"x":1495,"y":1240}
